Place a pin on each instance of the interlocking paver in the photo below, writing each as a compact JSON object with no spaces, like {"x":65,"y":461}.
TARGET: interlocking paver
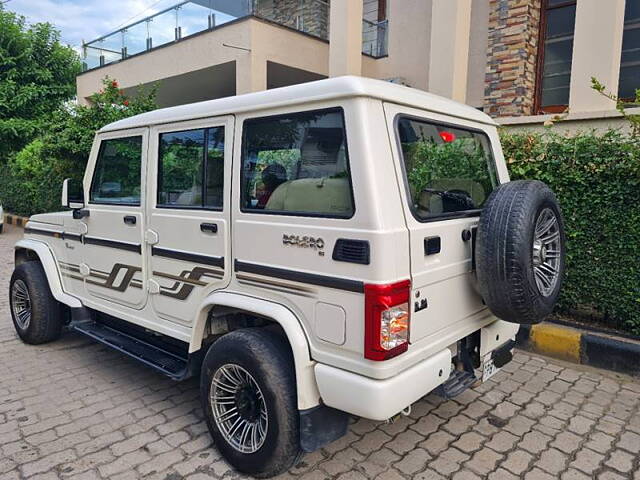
{"x":75,"y":410}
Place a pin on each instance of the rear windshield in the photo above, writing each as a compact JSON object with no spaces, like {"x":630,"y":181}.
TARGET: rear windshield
{"x":449,"y":170}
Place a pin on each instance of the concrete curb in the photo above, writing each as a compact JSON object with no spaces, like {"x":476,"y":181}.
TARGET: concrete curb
{"x":579,"y":346}
{"x":11,"y":219}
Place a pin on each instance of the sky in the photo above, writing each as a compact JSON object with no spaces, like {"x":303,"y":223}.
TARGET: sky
{"x":86,"y":20}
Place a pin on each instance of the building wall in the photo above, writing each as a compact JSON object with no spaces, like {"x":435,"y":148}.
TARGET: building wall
{"x":310,"y":16}
{"x":510,"y":79}
{"x":478,"y":45}
{"x":249,"y":43}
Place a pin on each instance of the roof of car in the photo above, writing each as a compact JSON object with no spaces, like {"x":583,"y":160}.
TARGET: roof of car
{"x":329,"y":89}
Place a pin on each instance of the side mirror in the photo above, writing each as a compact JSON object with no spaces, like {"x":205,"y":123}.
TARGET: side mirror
{"x":72,"y":196}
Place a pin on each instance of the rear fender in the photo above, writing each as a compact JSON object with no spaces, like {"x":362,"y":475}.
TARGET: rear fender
{"x":308,"y":395}
{"x":27,"y":247}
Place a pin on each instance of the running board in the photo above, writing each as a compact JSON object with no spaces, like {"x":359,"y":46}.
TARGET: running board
{"x":172,"y":365}
{"x":457,"y":383}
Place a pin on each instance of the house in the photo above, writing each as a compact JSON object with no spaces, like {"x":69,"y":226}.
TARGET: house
{"x":520,"y":61}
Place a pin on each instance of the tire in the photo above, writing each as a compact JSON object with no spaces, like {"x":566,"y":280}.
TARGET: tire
{"x":266,"y":358}
{"x":519,"y":264}
{"x":36,"y":314}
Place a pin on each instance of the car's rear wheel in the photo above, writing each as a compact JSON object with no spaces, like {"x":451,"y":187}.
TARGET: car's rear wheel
{"x":36,"y":314}
{"x":520,"y":252}
{"x":249,"y":398}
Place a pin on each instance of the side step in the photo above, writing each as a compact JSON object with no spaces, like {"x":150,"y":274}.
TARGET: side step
{"x":170,"y":364}
{"x":457,"y":383}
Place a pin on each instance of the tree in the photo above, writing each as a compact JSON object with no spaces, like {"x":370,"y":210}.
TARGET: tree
{"x":37,"y":75}
{"x":34,"y":176}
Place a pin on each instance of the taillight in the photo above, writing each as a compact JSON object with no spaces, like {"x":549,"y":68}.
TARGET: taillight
{"x":386,"y":312}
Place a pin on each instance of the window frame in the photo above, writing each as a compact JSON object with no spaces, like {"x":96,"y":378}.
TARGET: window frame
{"x":90,"y":201}
{"x":405,"y":177}
{"x":627,"y":26}
{"x":205,"y":163}
{"x":538,"y":109}
{"x":293,"y":114}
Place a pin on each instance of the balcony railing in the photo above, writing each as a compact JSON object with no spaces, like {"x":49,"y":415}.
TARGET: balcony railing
{"x":374,"y":37}
{"x":195,"y":16}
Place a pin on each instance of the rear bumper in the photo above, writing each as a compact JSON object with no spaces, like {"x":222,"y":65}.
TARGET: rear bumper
{"x":381,"y":399}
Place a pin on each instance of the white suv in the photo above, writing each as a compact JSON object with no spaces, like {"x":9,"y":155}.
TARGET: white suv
{"x":340,"y":247}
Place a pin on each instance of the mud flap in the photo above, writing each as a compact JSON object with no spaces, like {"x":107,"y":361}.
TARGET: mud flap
{"x":321,"y":425}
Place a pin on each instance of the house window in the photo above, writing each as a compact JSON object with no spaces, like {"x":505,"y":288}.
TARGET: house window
{"x":555,"y":54}
{"x":630,"y":61}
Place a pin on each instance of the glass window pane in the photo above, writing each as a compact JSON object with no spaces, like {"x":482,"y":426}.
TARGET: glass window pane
{"x":116,"y":178}
{"x":558,"y":54}
{"x":632,"y":11}
{"x":215,"y":168}
{"x":630,"y":59}
{"x":297,"y":164}
{"x":447,"y":169}
{"x":629,"y":81}
{"x":561,"y":21}
{"x":180,"y":169}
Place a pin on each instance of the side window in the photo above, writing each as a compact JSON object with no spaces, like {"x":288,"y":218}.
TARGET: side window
{"x":297,"y":164}
{"x":191,"y":168}
{"x":116,"y":179}
{"x":449,"y":170}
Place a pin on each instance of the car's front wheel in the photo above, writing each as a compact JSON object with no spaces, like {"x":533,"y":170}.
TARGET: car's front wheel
{"x":36,"y":314}
{"x":248,"y":394}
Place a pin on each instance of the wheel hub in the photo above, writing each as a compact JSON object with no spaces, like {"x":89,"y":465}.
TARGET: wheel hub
{"x":248,"y":403}
{"x":239,"y":409}
{"x":546,"y":252}
{"x":21,"y":304}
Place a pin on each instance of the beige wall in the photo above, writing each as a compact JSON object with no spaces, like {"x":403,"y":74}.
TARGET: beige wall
{"x":599,"y":121}
{"x":265,"y":42}
{"x":478,"y":45}
{"x":449,"y":54}
{"x":345,"y":36}
{"x":409,"y":41}
{"x":196,"y":53}
{"x":597,"y":47}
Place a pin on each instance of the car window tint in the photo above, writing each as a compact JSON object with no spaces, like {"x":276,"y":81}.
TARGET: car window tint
{"x":191,"y":168}
{"x":215,"y":168}
{"x":181,"y":163}
{"x":448,"y":169}
{"x":116,"y":179}
{"x":297,"y":164}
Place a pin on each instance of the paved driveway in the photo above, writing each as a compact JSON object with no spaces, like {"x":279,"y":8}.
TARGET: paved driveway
{"x":75,"y":409}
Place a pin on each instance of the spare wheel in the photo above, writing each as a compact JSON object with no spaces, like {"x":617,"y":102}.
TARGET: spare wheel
{"x":520,"y":251}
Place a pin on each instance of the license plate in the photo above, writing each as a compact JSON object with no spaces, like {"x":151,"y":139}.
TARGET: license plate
{"x":488,"y":368}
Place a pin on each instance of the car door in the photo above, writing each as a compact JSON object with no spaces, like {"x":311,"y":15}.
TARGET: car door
{"x":447,"y":170}
{"x":112,"y":256}
{"x":188,"y":215}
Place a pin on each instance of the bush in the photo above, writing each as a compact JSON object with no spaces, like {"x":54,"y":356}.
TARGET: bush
{"x":597,"y":181}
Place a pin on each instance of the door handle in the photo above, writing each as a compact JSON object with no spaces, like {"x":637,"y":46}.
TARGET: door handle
{"x":129,"y":219}
{"x":209,"y":227}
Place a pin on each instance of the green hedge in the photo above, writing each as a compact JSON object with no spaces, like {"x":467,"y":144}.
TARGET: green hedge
{"x":31,"y":184}
{"x":597,"y":181}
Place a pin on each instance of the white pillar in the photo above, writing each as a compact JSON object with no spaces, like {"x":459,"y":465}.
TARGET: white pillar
{"x":449,"y":55}
{"x":597,"y":47}
{"x":345,"y":38}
